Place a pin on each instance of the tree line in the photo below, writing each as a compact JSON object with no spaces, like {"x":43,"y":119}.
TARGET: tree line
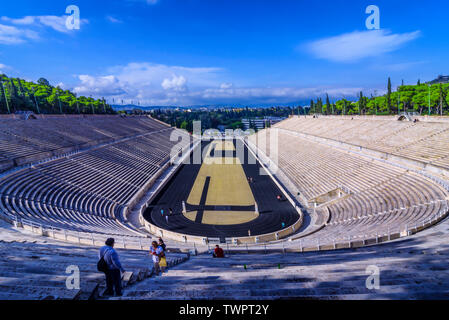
{"x":230,"y":118}
{"x":41,"y":97}
{"x":420,"y":98}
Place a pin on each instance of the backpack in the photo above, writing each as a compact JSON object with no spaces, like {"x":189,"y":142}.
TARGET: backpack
{"x":102,"y":266}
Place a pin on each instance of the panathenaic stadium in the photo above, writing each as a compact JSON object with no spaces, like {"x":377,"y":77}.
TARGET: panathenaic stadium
{"x":316,"y":207}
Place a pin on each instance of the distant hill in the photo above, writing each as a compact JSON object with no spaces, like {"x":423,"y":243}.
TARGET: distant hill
{"x":117,"y":107}
{"x":41,"y":97}
{"x":196,"y":107}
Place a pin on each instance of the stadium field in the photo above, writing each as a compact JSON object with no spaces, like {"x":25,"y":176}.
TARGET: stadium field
{"x":220,"y":200}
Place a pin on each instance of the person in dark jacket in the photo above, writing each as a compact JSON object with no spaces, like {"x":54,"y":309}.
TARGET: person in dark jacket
{"x":115,"y":269}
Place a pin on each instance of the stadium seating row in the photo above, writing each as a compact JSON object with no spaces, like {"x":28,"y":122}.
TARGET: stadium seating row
{"x":86,"y":191}
{"x":25,"y":141}
{"x":381,"y":196}
{"x":422,"y":141}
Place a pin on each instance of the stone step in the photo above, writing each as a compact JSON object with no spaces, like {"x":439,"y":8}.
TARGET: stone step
{"x":40,"y":281}
{"x":214,"y":293}
{"x":42,"y":292}
{"x":309,"y":283}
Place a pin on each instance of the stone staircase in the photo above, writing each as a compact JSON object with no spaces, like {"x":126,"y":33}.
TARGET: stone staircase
{"x":36,"y":268}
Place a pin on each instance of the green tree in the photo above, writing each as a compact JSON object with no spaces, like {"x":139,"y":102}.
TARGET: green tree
{"x":43,"y":82}
{"x":328,"y":104}
{"x":184,"y":125}
{"x":389,"y":96}
{"x":442,"y":105}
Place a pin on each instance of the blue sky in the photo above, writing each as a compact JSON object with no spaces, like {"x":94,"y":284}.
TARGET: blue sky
{"x":185,"y":52}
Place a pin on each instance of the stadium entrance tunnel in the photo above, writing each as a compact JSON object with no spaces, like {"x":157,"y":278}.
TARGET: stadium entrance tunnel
{"x":224,"y":196}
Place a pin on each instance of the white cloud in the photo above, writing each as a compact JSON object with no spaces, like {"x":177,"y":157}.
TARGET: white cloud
{"x":99,"y":86}
{"x":57,"y":23}
{"x":149,"y":2}
{"x":54,"y":22}
{"x":3,"y":68}
{"x":175,"y":83}
{"x":152,"y":83}
{"x":156,"y":84}
{"x":226,"y":86}
{"x":13,"y":35}
{"x":22,"y":21}
{"x":113,"y":20}
{"x":359,"y":44}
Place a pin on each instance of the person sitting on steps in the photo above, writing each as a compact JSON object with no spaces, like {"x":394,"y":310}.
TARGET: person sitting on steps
{"x":218,"y":252}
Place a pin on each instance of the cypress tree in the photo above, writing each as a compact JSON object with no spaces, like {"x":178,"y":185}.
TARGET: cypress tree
{"x":13,"y":94}
{"x":13,"y":88}
{"x":389,"y":96}
{"x":22,"y":92}
{"x":360,"y":102}
{"x":443,"y":102}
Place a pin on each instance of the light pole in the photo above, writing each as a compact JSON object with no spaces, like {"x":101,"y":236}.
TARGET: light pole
{"x":6,"y":99}
{"x":375,"y":103}
{"x":35,"y":100}
{"x":104,"y":106}
{"x":92,"y":105}
{"x":59,"y":100}
{"x":344,"y":105}
{"x":429,"y":85}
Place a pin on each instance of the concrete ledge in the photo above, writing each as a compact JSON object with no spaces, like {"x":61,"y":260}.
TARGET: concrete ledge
{"x":257,"y":239}
{"x":32,"y":158}
{"x":6,"y":164}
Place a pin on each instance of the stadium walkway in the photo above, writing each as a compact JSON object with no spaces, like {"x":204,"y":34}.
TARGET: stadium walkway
{"x":414,"y":268}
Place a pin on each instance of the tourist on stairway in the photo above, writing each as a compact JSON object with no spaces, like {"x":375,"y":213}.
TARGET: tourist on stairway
{"x":157,"y":253}
{"x":112,"y":268}
{"x":162,"y":244}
